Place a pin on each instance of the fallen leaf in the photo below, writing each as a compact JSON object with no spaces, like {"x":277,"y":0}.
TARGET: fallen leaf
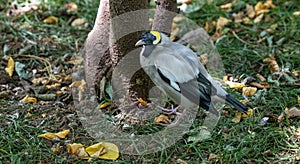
{"x":56,"y":148}
{"x":62,"y":134}
{"x":203,"y":58}
{"x":78,"y":22}
{"x":51,"y":20}
{"x":234,"y":84}
{"x":280,"y":117}
{"x":143,"y":102}
{"x":162,"y":119}
{"x":260,"y":77}
{"x":222,"y":22}
{"x":212,"y":157}
{"x":28,"y":99}
{"x":273,"y":66}
{"x":299,"y":101}
{"x":104,"y":105}
{"x":237,"y":118}
{"x":238,"y":17}
{"x":258,"y":18}
{"x":260,"y":85}
{"x":293,"y":112}
{"x":10,"y":66}
{"x":50,"y":136}
{"x":71,"y":7}
{"x":226,"y":7}
{"x":105,"y":150}
{"x":250,"y":11}
{"x":261,"y":8}
{"x":249,"y":91}
{"x":72,"y":148}
{"x":249,"y":112}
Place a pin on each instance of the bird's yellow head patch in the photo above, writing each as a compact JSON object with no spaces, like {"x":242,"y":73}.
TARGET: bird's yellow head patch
{"x":157,"y":35}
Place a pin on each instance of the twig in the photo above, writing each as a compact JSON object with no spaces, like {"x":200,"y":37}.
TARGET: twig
{"x":42,"y":59}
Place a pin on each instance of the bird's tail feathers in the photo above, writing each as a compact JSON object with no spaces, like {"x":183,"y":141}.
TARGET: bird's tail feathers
{"x":236,"y":104}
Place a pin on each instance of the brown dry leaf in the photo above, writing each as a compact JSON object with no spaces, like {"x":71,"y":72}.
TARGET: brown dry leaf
{"x":245,"y":101}
{"x":210,"y":26}
{"x":247,"y":21}
{"x":296,"y":13}
{"x":55,"y":85}
{"x":10,"y":66}
{"x":273,"y":66}
{"x":222,"y":22}
{"x":104,"y":105}
{"x":212,"y":157}
{"x":237,"y":118}
{"x":28,"y":99}
{"x":299,"y":101}
{"x":75,"y":84}
{"x":250,"y":11}
{"x":162,"y":119}
{"x":103,"y":150}
{"x":293,"y":112}
{"x":269,"y":4}
{"x":249,"y":91}
{"x":51,"y":20}
{"x":81,"y":89}
{"x":238,"y":17}
{"x":260,"y":85}
{"x":56,"y":148}
{"x":260,"y":77}
{"x":71,"y":7}
{"x":258,"y":18}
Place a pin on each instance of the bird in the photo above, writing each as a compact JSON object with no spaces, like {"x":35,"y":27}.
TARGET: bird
{"x":177,"y":71}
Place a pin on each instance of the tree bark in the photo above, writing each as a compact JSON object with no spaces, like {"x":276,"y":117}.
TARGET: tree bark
{"x":165,"y":11}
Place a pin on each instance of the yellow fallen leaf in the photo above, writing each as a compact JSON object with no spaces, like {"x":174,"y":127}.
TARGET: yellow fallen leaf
{"x":104,"y":150}
{"x":10,"y":66}
{"x":55,"y":85}
{"x":234,"y":84}
{"x":162,"y":119}
{"x":71,"y":7}
{"x":78,"y":22}
{"x":44,"y":115}
{"x":51,"y":20}
{"x":249,"y":91}
{"x":222,"y":22}
{"x":28,"y":99}
{"x":104,"y":105}
{"x":143,"y":102}
{"x":248,"y":113}
{"x":62,"y":134}
{"x":237,"y":118}
{"x":299,"y":101}
{"x":73,"y":148}
{"x":226,"y":7}
{"x":48,"y":136}
{"x":261,"y":8}
{"x":95,"y":150}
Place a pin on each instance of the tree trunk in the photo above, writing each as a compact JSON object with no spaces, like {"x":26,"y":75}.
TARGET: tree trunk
{"x":165,"y":11}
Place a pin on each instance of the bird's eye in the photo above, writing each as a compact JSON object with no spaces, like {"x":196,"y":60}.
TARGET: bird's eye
{"x":157,"y":35}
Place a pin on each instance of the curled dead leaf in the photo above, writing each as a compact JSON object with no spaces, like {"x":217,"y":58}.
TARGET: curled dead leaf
{"x":249,"y":91}
{"x":50,"y":136}
{"x":273,"y":66}
{"x":143,"y":102}
{"x":260,"y":77}
{"x":258,"y":18}
{"x":237,"y":118}
{"x":162,"y":119}
{"x":260,"y":85}
{"x":28,"y":99}
{"x":234,"y":84}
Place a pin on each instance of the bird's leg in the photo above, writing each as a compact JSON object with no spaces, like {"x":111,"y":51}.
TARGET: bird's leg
{"x":170,"y":111}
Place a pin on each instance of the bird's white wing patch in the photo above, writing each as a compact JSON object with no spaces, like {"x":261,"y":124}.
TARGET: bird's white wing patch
{"x":169,"y":77}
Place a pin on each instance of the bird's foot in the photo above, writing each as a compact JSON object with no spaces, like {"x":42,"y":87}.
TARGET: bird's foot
{"x":170,"y":111}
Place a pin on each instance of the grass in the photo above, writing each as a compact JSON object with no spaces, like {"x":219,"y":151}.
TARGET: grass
{"x":242,"y":54}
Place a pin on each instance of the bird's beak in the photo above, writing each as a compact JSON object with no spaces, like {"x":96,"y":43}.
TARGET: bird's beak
{"x":140,"y":43}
